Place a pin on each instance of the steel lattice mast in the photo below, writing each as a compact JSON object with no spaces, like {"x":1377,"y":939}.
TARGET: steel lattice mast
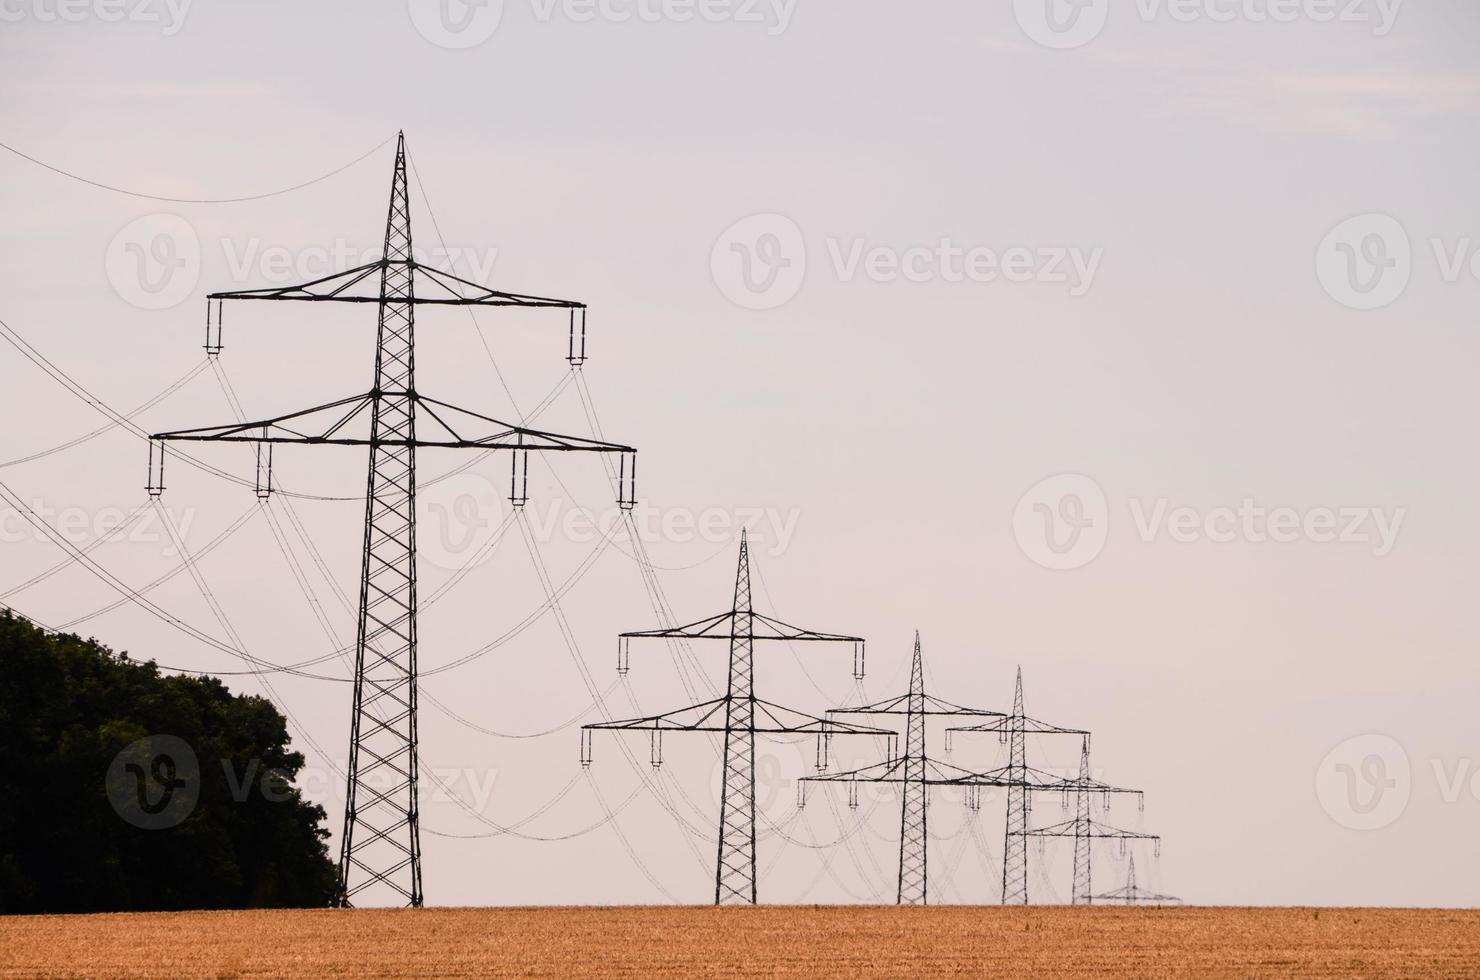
{"x":915,"y":771}
{"x":1020,"y":779}
{"x":914,"y":851}
{"x":1015,"y":846}
{"x":734,"y":877}
{"x":1084,"y":830}
{"x":380,"y":845}
{"x":1130,"y":894}
{"x":739,"y":716}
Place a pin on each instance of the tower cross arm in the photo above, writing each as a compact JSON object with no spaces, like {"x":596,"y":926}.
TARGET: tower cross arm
{"x":728,"y":626}
{"x":1092,"y":828}
{"x":1028,"y":726}
{"x":345,"y":422}
{"x":1048,"y":782}
{"x":1039,"y":780}
{"x":435,"y":425}
{"x":709,"y":716}
{"x":931,"y":706}
{"x":429,"y":286}
{"x":898,"y":771}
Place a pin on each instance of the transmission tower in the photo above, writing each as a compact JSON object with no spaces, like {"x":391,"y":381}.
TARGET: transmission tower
{"x":915,"y":771}
{"x":1020,"y":779}
{"x":740,"y":716}
{"x":381,"y":843}
{"x":1084,"y":829}
{"x":1130,"y":894}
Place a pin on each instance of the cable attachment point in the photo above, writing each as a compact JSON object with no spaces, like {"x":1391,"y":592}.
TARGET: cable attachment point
{"x":519,"y":477}
{"x":213,"y":330}
{"x":264,"y":468}
{"x":155,"y":484}
{"x":576,"y":353}
{"x":627,"y":480}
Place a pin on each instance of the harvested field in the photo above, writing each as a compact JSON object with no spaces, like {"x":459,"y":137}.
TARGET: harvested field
{"x":766,"y":941}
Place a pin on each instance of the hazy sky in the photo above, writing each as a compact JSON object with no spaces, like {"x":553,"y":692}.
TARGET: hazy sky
{"x":1132,"y":342}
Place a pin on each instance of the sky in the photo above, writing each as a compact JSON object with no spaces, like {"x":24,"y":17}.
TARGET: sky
{"x":1131,"y":343}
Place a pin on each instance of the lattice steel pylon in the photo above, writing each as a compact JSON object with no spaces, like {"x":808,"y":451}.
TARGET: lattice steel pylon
{"x":914,"y":852}
{"x":1084,"y":829}
{"x":916,"y":772}
{"x":739,"y":716}
{"x":1021,"y":779}
{"x":1015,"y":846}
{"x":381,"y":844}
{"x":1131,"y":894}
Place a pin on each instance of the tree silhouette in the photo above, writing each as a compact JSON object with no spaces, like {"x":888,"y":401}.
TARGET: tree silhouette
{"x":101,"y":810}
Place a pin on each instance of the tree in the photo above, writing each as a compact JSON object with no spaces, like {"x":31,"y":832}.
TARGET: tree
{"x":125,"y":789}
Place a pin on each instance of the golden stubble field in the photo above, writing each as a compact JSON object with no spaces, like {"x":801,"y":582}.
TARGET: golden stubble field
{"x":758,"y":942}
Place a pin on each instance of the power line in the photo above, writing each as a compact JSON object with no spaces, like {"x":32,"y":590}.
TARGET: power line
{"x":195,"y":200}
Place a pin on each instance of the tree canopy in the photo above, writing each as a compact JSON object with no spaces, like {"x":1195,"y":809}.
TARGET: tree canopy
{"x":125,"y":789}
